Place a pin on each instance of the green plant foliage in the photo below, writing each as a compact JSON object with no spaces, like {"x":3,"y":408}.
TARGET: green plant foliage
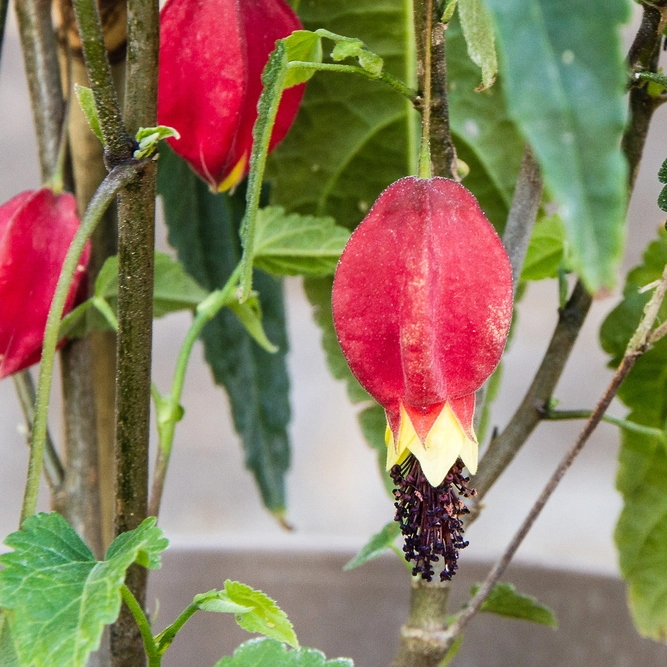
{"x":60,"y":597}
{"x":564,"y":78}
{"x":219,"y":602}
{"x":87,"y":103}
{"x":505,"y":600}
{"x":477,"y":27}
{"x":453,"y":652}
{"x":376,"y":546}
{"x":293,"y":244}
{"x":148,"y":139}
{"x":265,"y":616}
{"x":546,"y":250}
{"x":250,"y":314}
{"x":203,"y":228}
{"x":361,"y":136}
{"x":662,"y":177}
{"x":641,"y":532}
{"x":270,"y":653}
{"x":8,"y":657}
{"x":303,"y":46}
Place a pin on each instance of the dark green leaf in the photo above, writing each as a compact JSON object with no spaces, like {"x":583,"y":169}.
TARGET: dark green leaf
{"x":564,"y":77}
{"x":504,"y":600}
{"x":60,"y":597}
{"x":641,"y":532}
{"x":265,"y":616}
{"x":270,"y":653}
{"x":376,"y":546}
{"x":8,"y":657}
{"x":662,"y":174}
{"x":204,"y":230}
{"x":662,"y":199}
{"x":293,"y":244}
{"x":546,"y":250}
{"x":477,"y":27}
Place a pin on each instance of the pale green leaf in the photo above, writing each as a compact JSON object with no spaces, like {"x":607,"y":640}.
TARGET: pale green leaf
{"x":505,"y":600}
{"x":477,"y":27}
{"x":149,"y":137}
{"x":546,"y":250}
{"x":87,"y":103}
{"x":293,"y":244}
{"x":250,"y":314}
{"x":302,"y":46}
{"x":264,"y":652}
{"x":219,"y":602}
{"x":448,"y":10}
{"x":564,"y":77}
{"x":266,"y":616}
{"x":60,"y":597}
{"x":376,"y":546}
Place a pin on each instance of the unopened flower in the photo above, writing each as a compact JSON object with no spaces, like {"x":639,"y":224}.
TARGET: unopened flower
{"x":422,"y":304}
{"x":212,"y":53}
{"x":36,"y":229}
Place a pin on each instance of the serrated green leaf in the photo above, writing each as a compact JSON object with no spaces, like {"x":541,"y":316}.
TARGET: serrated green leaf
{"x":265,"y":617}
{"x":59,"y":595}
{"x":87,"y":104}
{"x":564,"y":77}
{"x":641,"y":532}
{"x":477,"y":27}
{"x":219,"y":602}
{"x":376,"y":546}
{"x":8,"y":656}
{"x":264,"y":652}
{"x":662,"y":174}
{"x":293,"y":244}
{"x":505,"y":600}
{"x":203,"y":228}
{"x":302,"y":46}
{"x":546,"y":249}
{"x":662,"y":199}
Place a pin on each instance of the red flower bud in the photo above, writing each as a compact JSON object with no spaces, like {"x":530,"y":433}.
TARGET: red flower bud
{"x":422,"y":303}
{"x":212,"y":53}
{"x":36,"y":229}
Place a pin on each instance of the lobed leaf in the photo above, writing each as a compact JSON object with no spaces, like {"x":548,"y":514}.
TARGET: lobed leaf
{"x":564,"y":77}
{"x":271,"y":653}
{"x":59,"y":596}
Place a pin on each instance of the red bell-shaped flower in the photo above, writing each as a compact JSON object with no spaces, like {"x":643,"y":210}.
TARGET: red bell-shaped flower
{"x":36,"y":229}
{"x":422,"y":303}
{"x":212,"y":53}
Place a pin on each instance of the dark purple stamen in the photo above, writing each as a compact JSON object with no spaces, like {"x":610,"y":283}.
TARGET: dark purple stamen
{"x":429,"y":517}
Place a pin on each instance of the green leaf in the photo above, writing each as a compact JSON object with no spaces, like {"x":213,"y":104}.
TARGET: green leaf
{"x":564,"y":77}
{"x":8,"y":656}
{"x":250,"y":314}
{"x":376,"y":546}
{"x":302,"y":46}
{"x":219,"y":602}
{"x":265,"y":617}
{"x":270,"y":653}
{"x":297,"y":244}
{"x":203,"y":228}
{"x":453,"y":652}
{"x":662,"y":177}
{"x":546,"y":250}
{"x":60,"y":597}
{"x":641,"y":532}
{"x":351,"y":47}
{"x":504,"y":600}
{"x":477,"y":27}
{"x":87,"y":104}
{"x":149,"y":137}
{"x":448,"y":11}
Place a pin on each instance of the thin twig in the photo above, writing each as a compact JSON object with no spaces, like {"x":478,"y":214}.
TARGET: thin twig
{"x":638,"y":345}
{"x":53,"y":467}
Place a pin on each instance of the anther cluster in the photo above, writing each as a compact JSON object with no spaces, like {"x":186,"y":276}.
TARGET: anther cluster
{"x":430,"y":517}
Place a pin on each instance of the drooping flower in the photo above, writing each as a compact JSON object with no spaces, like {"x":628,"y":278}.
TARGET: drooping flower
{"x":36,"y":229}
{"x":422,"y":304}
{"x":212,"y":53}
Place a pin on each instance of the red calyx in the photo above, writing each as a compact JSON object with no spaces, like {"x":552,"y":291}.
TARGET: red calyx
{"x":212,"y":53}
{"x":36,"y":229}
{"x":422,"y":301}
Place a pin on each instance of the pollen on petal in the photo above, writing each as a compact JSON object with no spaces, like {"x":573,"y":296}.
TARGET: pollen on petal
{"x":445,"y":442}
{"x":399,"y":448}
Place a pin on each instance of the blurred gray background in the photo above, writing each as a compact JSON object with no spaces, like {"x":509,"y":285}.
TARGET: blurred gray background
{"x":336,"y":499}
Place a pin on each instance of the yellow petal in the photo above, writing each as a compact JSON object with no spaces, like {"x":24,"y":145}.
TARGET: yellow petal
{"x":407,"y":436}
{"x":235,"y":175}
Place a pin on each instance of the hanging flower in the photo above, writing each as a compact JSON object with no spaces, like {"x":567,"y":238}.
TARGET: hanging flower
{"x":422,"y":303}
{"x":36,"y":229}
{"x":212,"y":53}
